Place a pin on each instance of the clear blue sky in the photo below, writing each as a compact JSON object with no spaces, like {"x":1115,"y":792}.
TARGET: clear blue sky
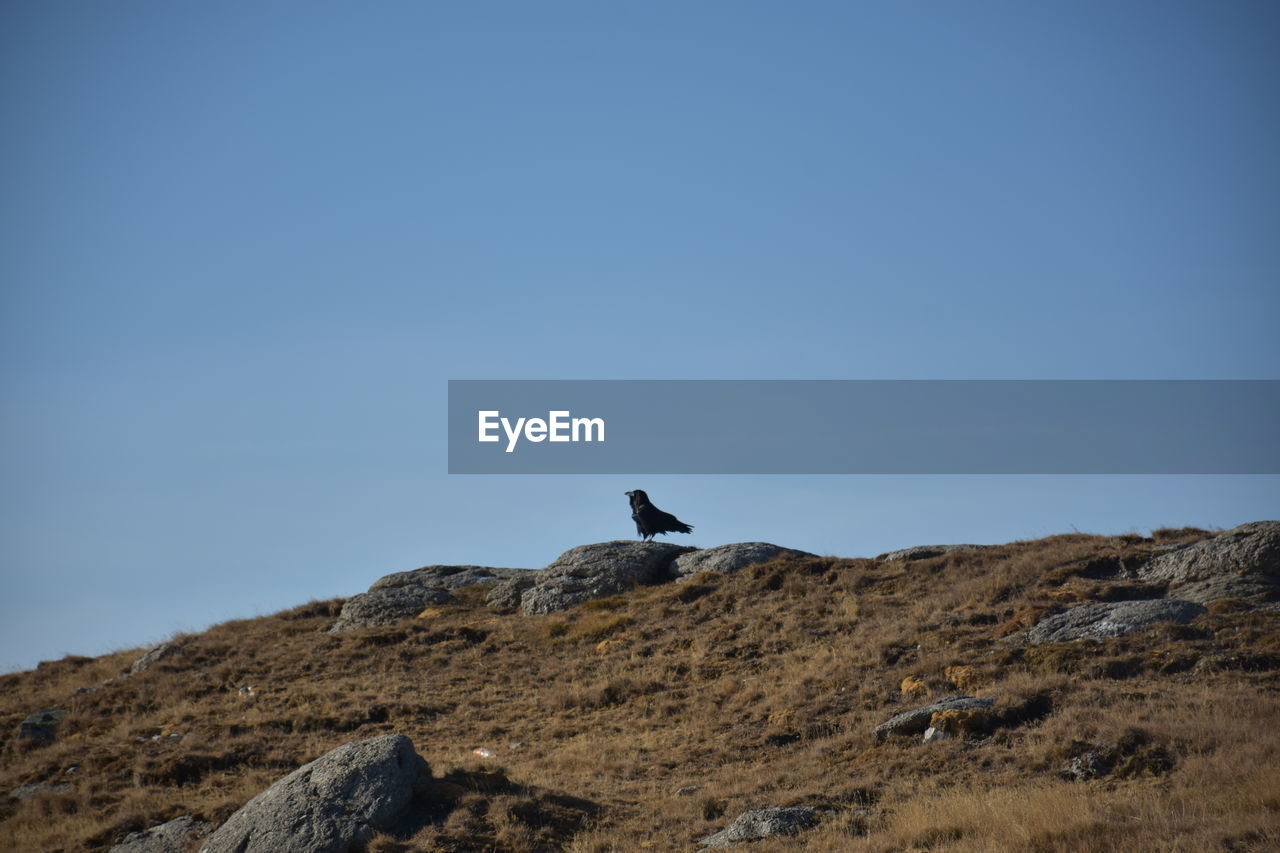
{"x":244,"y":245}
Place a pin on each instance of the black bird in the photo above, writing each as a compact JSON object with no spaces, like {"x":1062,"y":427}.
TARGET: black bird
{"x":650,"y":521}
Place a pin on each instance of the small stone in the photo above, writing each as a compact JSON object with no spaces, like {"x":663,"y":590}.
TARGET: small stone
{"x":763,"y":823}
{"x":1090,"y":765}
{"x":931,"y":734}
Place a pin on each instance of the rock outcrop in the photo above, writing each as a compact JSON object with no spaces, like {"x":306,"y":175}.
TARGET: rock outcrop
{"x":917,"y":720}
{"x":153,"y":655}
{"x":385,"y":606}
{"x":403,"y":594}
{"x":506,"y":594}
{"x":1111,"y":619}
{"x":447,"y":577}
{"x":924,"y":552}
{"x":597,"y":571}
{"x":170,"y":837}
{"x":333,"y":805}
{"x":763,"y":823}
{"x":1241,"y":563}
{"x":727,"y":559}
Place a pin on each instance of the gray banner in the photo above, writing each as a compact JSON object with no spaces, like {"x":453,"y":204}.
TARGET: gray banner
{"x":864,"y":427}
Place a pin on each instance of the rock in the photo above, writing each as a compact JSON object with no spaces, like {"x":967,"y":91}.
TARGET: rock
{"x":158,"y":653}
{"x":42,"y":726}
{"x":727,"y":559}
{"x":332,"y":805}
{"x":1241,"y":563}
{"x":171,"y":837}
{"x":915,"y":722}
{"x":1090,"y":765}
{"x":506,"y":594}
{"x":403,"y":594}
{"x":598,"y":571}
{"x":763,"y":823}
{"x":386,"y":606}
{"x":924,"y":552}
{"x":26,"y":792}
{"x":446,"y":577}
{"x":1111,"y":619}
{"x":958,"y":722}
{"x":1169,"y":546}
{"x":932,"y":734}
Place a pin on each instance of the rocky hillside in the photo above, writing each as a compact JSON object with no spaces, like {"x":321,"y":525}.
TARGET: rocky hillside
{"x":1075,"y":693}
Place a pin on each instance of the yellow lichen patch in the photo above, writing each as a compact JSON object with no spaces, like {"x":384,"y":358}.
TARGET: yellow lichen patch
{"x":965,"y":677}
{"x":606,"y":646}
{"x":781,"y":718}
{"x":912,"y":686}
{"x":961,"y":722}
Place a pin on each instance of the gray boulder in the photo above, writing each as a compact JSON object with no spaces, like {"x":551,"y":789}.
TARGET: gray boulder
{"x":916,"y":721}
{"x":1111,"y":619}
{"x":763,"y":823}
{"x":446,"y":577}
{"x":924,"y":552}
{"x":42,"y":726}
{"x":1241,"y":563}
{"x":386,"y":606}
{"x":507,"y":594}
{"x":158,"y":653}
{"x":333,"y":805}
{"x":727,"y":559}
{"x":26,"y":792}
{"x":170,"y":837}
{"x":598,"y":571}
{"x":403,"y":594}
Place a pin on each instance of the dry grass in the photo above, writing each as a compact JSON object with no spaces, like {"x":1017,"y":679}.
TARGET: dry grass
{"x":649,"y":720}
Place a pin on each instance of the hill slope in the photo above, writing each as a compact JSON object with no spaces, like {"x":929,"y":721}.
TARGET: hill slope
{"x":650,"y":719}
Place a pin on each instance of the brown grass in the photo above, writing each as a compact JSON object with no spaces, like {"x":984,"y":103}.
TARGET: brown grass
{"x":649,"y":720}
